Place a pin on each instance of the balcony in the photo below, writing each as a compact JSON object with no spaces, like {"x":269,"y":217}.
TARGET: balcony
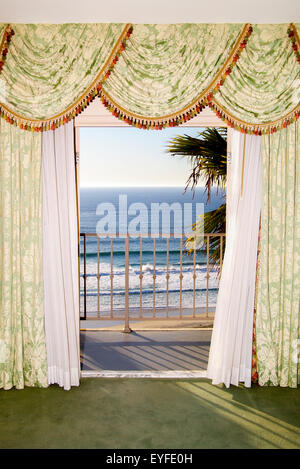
{"x":190,"y":301}
{"x":154,"y":289}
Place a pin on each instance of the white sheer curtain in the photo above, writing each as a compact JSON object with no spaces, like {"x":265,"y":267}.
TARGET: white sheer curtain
{"x":230,"y":357}
{"x":61,"y":302}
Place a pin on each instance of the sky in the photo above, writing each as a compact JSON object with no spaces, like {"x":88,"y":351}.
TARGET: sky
{"x":130,"y":157}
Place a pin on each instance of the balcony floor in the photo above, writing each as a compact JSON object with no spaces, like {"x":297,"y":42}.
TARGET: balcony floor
{"x":150,"y":351}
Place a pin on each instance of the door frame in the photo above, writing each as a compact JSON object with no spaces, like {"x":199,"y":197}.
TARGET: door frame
{"x":96,"y":115}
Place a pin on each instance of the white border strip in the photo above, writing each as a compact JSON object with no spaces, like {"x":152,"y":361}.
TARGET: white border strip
{"x":176,"y":374}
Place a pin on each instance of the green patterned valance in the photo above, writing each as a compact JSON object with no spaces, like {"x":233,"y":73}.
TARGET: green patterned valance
{"x":250,"y":78}
{"x":151,"y":76}
{"x":264,"y":85}
{"x":50,"y":69}
{"x":166,"y":68}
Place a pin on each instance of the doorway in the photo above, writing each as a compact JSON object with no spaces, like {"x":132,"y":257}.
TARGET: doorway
{"x":160,"y":293}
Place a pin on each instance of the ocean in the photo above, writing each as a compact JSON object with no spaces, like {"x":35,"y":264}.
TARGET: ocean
{"x":92,"y":218}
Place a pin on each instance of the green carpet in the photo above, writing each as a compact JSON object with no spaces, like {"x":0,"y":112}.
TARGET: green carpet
{"x":141,"y":413}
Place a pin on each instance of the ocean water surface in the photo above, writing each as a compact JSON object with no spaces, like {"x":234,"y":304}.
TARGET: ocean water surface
{"x":90,"y":198}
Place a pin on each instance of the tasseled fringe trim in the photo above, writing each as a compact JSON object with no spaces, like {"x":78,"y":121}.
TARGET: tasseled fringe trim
{"x":6,"y":39}
{"x":173,"y":120}
{"x":151,"y":124}
{"x":207,"y":100}
{"x":293,"y":35}
{"x":252,"y":129}
{"x":81,"y":104}
{"x":255,"y":129}
{"x":198,"y":105}
{"x":136,"y":121}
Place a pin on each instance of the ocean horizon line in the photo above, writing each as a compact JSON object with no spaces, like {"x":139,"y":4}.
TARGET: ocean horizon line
{"x":139,"y":187}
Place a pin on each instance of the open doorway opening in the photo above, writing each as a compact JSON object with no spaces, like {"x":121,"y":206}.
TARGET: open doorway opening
{"x":136,"y":273}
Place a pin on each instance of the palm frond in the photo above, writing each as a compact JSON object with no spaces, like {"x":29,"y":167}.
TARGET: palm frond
{"x":211,"y":222}
{"x":207,"y":154}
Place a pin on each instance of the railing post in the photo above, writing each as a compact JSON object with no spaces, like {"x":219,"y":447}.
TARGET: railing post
{"x":207,"y":273}
{"x":167,"y":278}
{"x":126,"y":304}
{"x":111,"y":278}
{"x":98,"y":277}
{"x":126,"y":325}
{"x":84,"y":275}
{"x":180,"y":281}
{"x":154,"y":277}
{"x":194,"y":283}
{"x":141,"y":277}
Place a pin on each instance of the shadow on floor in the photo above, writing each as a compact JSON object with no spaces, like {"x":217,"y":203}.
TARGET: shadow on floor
{"x":144,"y":351}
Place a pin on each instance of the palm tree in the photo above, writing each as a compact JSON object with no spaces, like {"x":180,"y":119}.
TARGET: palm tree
{"x":208,"y":156}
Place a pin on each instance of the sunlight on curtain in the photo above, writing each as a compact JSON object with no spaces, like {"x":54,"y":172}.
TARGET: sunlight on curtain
{"x":22,"y":337}
{"x":230,"y":354}
{"x":277,"y":320}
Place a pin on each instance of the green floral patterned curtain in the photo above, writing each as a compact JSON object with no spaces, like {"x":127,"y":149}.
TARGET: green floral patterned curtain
{"x":49,"y":66}
{"x":277,"y":316}
{"x":264,"y":84}
{"x":22,"y":337}
{"x":164,"y":68}
{"x":150,"y":76}
{"x":168,"y":73}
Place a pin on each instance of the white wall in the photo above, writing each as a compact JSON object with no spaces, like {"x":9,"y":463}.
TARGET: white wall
{"x":151,"y":11}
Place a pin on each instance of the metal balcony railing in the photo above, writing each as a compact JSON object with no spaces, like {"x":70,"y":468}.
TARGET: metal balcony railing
{"x":158,"y":310}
